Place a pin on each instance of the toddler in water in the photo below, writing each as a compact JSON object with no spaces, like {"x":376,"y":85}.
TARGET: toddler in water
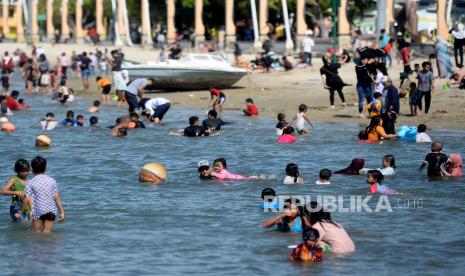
{"x":300,"y":120}
{"x":325,"y":177}
{"x":434,"y":160}
{"x":95,"y":107}
{"x":292,"y":175}
{"x":220,"y":171}
{"x":308,"y":251}
{"x":93,"y":122}
{"x":282,"y":123}
{"x":288,"y":136}
{"x":203,"y":168}
{"x":252,"y":109}
{"x":422,"y":137}
{"x":375,"y":179}
{"x":288,"y":220}
{"x":375,"y":106}
{"x":135,"y":122}
{"x":15,"y":187}
{"x":22,"y":105}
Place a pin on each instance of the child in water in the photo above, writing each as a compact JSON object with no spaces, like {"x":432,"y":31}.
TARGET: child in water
{"x":375,"y":179}
{"x":300,"y":120}
{"x":15,"y":187}
{"x":325,"y":177}
{"x":288,"y":136}
{"x":282,"y":123}
{"x":49,"y":122}
{"x":292,"y":175}
{"x":95,"y":107}
{"x":389,"y":164}
{"x":22,"y":105}
{"x":42,"y":198}
{"x":252,"y":109}
{"x":434,"y":160}
{"x":269,"y":199}
{"x":69,"y":120}
{"x":220,"y":171}
{"x":80,"y":121}
{"x":308,"y":251}
{"x":288,"y":220}
{"x":422,"y":137}
{"x":135,"y":122}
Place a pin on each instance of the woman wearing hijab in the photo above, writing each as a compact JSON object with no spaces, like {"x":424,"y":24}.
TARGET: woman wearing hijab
{"x":354,"y":168}
{"x":331,"y":80}
{"x":454,"y":166}
{"x":443,"y":58}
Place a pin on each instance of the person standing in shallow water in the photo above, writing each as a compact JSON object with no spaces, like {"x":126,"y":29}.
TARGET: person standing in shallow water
{"x":42,"y":198}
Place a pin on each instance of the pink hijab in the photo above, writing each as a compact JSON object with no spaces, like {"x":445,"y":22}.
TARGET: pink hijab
{"x":456,"y":164}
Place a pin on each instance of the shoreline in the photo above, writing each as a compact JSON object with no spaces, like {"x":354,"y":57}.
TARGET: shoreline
{"x":282,"y":91}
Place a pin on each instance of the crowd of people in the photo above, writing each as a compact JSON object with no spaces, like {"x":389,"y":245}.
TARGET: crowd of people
{"x":378,"y":98}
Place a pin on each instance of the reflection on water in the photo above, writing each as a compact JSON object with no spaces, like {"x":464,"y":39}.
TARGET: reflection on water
{"x":114,"y":224}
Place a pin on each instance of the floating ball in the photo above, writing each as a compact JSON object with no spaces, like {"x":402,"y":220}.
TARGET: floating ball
{"x":8,"y":127}
{"x":153,"y":173}
{"x":43,"y":140}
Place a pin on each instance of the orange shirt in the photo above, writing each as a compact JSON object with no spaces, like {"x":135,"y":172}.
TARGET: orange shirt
{"x":376,"y":134}
{"x":103,"y":82}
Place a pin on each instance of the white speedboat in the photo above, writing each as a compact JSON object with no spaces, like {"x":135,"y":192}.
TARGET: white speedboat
{"x":191,"y":72}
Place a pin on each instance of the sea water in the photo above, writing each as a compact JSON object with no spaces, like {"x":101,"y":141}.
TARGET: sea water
{"x":116,"y":225}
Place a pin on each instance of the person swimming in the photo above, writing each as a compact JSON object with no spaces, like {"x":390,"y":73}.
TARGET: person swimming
{"x":203,"y":168}
{"x":325,"y":177}
{"x":354,"y":168}
{"x":49,"y":122}
{"x":292,"y":175}
{"x":434,"y":160}
{"x":453,"y":167}
{"x":389,"y":164}
{"x":288,"y":220}
{"x":375,"y":178}
{"x":288,"y":136}
{"x":308,"y":251}
{"x":220,"y":171}
{"x":269,"y":199}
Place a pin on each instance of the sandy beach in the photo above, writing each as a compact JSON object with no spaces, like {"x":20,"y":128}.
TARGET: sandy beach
{"x":283,"y":91}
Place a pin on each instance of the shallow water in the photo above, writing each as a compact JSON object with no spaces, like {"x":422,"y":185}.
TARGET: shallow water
{"x":114,"y":224}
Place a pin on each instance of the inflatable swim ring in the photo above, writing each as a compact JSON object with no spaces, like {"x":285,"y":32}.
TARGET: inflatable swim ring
{"x":8,"y":127}
{"x":407,"y":133}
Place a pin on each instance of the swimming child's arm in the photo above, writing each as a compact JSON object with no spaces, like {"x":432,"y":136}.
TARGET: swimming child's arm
{"x":308,"y":121}
{"x":178,"y":132}
{"x":425,"y":163}
{"x":57,"y":199}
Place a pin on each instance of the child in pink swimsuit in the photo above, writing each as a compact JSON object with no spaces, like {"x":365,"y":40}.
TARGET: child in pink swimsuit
{"x":220,"y":172}
{"x":287,"y":137}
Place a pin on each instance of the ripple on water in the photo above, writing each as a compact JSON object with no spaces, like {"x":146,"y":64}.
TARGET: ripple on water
{"x":114,"y":224}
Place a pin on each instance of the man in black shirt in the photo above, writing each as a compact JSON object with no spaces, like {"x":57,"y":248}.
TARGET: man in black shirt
{"x":85,"y":70}
{"x":364,"y":81}
{"x":434,"y":160}
{"x":213,"y":122}
{"x":194,"y":129}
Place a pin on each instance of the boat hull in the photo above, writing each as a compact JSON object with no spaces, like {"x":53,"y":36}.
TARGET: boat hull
{"x":186,"y":79}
